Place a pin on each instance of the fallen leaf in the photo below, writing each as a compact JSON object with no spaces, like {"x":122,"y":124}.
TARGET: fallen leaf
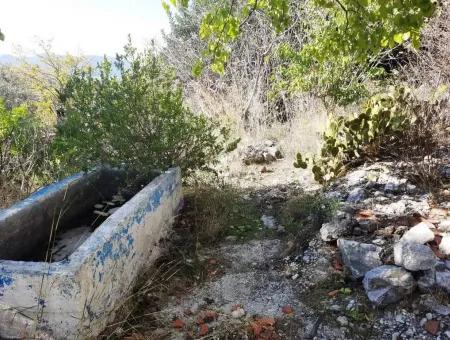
{"x":287,"y":309}
{"x":432,"y":326}
{"x":266,"y":322}
{"x":204,"y":329}
{"x":178,"y":323}
{"x":366,"y":214}
{"x":333,"y":293}
{"x":256,"y":328}
{"x":337,"y":264}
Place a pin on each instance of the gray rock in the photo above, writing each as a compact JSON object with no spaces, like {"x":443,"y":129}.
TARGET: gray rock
{"x":359,"y":257}
{"x":356,"y":195}
{"x":420,"y":233}
{"x":414,"y":256}
{"x":444,"y":246}
{"x":342,"y":320}
{"x":434,"y":305}
{"x":331,"y":231}
{"x":444,"y":226}
{"x":356,"y":177}
{"x":269,"y":221}
{"x":427,"y":281}
{"x":388,"y":284}
{"x":443,"y":280}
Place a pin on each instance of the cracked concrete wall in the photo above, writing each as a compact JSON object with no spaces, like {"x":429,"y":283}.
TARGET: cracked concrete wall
{"x":76,"y":298}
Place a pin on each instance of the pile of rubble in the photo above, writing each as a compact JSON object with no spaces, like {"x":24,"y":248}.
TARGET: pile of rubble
{"x":264,"y":153}
{"x":389,"y":236}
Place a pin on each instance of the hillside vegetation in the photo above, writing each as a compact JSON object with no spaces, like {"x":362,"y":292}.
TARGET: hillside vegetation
{"x":231,"y":74}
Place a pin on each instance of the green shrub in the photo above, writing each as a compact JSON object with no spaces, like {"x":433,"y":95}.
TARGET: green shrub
{"x":384,"y":119}
{"x":308,"y":210}
{"x":214,"y":209}
{"x":131,"y":114}
{"x":24,"y":153}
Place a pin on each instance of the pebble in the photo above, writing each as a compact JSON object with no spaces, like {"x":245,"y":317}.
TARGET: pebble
{"x":429,"y":316}
{"x":342,"y":320}
{"x":238,"y":313}
{"x":395,"y":335}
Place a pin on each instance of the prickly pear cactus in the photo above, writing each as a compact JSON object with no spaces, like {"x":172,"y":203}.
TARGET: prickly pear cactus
{"x":345,"y":139}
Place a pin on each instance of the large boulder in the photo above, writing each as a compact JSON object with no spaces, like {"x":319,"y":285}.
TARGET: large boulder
{"x":335,"y":229}
{"x":414,"y":256}
{"x":420,"y":233}
{"x":388,"y":284}
{"x":359,"y":257}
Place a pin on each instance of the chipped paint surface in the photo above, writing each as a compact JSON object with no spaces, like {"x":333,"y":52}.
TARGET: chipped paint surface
{"x":76,"y":298}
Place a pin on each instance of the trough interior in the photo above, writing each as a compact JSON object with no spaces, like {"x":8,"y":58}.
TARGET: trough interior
{"x":27,"y":229}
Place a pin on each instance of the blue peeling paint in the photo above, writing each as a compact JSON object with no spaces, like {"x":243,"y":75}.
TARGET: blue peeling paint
{"x":5,"y":281}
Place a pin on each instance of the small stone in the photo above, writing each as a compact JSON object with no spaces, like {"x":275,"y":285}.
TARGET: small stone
{"x":359,"y":257}
{"x":443,"y":280}
{"x":194,"y":308}
{"x":342,"y":321}
{"x":423,"y":321}
{"x":395,"y":336}
{"x":356,"y":195}
{"x":379,"y":241}
{"x":388,"y":284}
{"x":335,"y":308}
{"x":429,"y":316}
{"x":238,"y":313}
{"x":444,"y":246}
{"x":420,"y":233}
{"x":269,"y":222}
{"x":414,"y":256}
{"x":333,"y":230}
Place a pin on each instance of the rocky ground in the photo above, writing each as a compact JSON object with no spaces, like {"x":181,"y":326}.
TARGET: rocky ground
{"x":378,"y":269}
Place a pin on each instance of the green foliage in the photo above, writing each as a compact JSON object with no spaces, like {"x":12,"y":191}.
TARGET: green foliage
{"x":131,"y":114}
{"x":308,"y":210}
{"x":384,"y":118}
{"x":342,"y":40}
{"x":222,"y":26}
{"x":24,"y":147}
{"x":214,"y":209}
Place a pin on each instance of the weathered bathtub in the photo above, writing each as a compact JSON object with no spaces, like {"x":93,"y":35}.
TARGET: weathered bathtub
{"x":76,"y":297}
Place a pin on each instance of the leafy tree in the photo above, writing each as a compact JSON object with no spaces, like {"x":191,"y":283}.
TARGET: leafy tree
{"x":340,"y":35}
{"x":47,"y":80}
{"x":131,"y":114}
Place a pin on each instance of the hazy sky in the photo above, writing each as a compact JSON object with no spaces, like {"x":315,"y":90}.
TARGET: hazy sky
{"x":80,"y":26}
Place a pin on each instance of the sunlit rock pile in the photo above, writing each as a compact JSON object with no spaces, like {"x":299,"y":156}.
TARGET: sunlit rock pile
{"x":389,"y":235}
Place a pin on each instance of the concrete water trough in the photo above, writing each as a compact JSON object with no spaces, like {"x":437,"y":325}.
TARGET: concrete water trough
{"x":73,"y":293}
